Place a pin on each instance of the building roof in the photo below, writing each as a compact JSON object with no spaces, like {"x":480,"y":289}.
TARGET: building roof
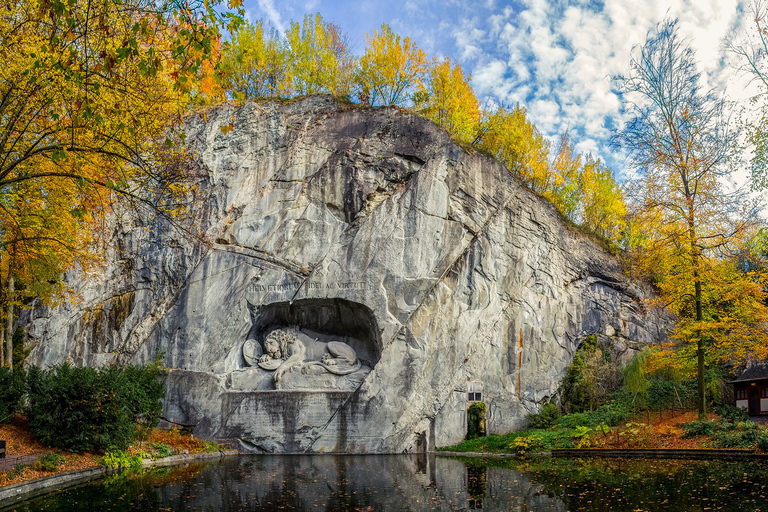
{"x":753,"y":373}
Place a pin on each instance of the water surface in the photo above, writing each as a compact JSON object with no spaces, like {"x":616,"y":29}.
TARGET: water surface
{"x":411,"y":483}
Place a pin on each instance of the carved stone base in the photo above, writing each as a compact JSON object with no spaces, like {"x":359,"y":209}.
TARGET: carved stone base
{"x":296,"y":379}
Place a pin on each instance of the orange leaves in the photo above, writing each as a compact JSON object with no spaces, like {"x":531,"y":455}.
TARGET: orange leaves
{"x":79,"y":120}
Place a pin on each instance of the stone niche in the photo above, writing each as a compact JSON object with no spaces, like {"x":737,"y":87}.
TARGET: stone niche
{"x":327,"y":320}
{"x":317,"y":345}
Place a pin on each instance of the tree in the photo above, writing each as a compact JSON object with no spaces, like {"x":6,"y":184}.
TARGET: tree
{"x":753,"y":51}
{"x":255,"y":64}
{"x":320,"y":61}
{"x":603,"y":210}
{"x":390,"y":70}
{"x":86,"y":90}
{"x":447,"y":99}
{"x":562,"y":187}
{"x":681,"y":144}
{"x":515,"y":142}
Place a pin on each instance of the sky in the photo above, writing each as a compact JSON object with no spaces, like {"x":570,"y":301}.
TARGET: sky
{"x":554,"y":58}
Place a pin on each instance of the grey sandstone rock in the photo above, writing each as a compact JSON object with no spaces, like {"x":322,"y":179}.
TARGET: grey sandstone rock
{"x":364,"y":227}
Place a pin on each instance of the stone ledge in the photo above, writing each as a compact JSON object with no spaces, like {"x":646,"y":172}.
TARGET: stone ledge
{"x":32,"y":488}
{"x":663,"y":454}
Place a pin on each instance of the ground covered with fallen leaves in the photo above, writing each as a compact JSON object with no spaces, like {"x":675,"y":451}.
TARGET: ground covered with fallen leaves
{"x":22,"y":448}
{"x":659,"y":430}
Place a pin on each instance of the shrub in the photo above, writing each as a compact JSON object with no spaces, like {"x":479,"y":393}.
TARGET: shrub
{"x":574,"y":420}
{"x":476,"y":420}
{"x":546,"y":417}
{"x":11,"y":391}
{"x":17,"y":470}
{"x":724,"y":439}
{"x":611,"y":414}
{"x":522,"y":446}
{"x":740,"y":435}
{"x":120,"y":459}
{"x":697,"y":429}
{"x":161,"y":450}
{"x":732,"y":413}
{"x":590,"y":378}
{"x":762,"y":442}
{"x":49,"y":462}
{"x":81,"y":409}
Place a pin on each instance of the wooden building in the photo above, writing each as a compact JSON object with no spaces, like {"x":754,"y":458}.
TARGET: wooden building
{"x":751,"y":390}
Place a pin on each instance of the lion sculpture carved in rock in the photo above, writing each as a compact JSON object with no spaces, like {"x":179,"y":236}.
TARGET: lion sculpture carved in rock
{"x":287,"y":348}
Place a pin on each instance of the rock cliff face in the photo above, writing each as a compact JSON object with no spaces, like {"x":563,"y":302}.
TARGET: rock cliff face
{"x":358,"y":277}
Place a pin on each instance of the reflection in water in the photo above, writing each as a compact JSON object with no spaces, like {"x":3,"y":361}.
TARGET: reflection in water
{"x":405,"y":482}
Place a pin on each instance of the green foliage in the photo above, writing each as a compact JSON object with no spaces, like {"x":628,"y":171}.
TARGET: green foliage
{"x":120,"y":459}
{"x":590,"y":379}
{"x":742,"y":434}
{"x":697,"y":429}
{"x":161,"y":450}
{"x":18,"y":347}
{"x":762,"y":442}
{"x":581,"y":434}
{"x":11,"y":391}
{"x":635,"y":377}
{"x":49,"y":462}
{"x":731,"y":413}
{"x":522,"y":446}
{"x":495,"y":443}
{"x":476,"y":420}
{"x":611,"y":414}
{"x":574,"y":420}
{"x":211,"y":447}
{"x":81,"y":409}
{"x":546,"y":417}
{"x":17,"y":470}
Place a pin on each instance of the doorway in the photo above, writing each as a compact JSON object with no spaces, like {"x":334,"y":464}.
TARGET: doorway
{"x":754,"y":402}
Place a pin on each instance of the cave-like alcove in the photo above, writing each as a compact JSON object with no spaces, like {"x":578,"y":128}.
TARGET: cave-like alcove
{"x":324,"y":319}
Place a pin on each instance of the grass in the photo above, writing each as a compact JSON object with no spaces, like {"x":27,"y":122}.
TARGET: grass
{"x":551,"y":439}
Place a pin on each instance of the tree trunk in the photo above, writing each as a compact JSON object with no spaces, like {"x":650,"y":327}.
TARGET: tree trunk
{"x":9,"y":322}
{"x":699,"y":319}
{"x":2,"y":332}
{"x":695,"y":259}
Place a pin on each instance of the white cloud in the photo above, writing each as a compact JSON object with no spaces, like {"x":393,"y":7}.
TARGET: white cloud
{"x":555,"y":58}
{"x":272,"y":14}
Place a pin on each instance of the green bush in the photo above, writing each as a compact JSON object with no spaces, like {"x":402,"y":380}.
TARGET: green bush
{"x":590,"y":379}
{"x":11,"y":391}
{"x":81,"y":409}
{"x":724,"y":439}
{"x":732,"y":413}
{"x":697,"y":429}
{"x":740,"y":435}
{"x":476,"y":420}
{"x":611,"y":414}
{"x":546,"y":417}
{"x":574,"y":420}
{"x":762,"y":441}
{"x":17,"y":470}
{"x":120,"y":459}
{"x":49,"y":462}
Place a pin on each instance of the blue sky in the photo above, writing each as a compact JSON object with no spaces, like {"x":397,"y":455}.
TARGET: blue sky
{"x":555,"y":58}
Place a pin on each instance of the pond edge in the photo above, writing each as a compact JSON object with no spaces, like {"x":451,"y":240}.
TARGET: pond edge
{"x":29,"y":489}
{"x":627,"y":454}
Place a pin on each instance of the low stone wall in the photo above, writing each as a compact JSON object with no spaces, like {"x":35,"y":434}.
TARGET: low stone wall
{"x":32,"y":488}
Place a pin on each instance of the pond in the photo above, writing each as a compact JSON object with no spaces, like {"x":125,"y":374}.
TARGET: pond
{"x":406,"y":482}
